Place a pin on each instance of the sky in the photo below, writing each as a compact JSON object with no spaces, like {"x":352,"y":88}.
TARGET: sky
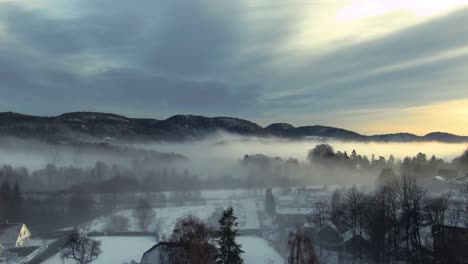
{"x":366,"y":65}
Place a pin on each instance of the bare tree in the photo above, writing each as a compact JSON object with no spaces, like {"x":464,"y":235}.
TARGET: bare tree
{"x":144,"y":215}
{"x":195,"y":236}
{"x":81,"y":248}
{"x":410,"y":198}
{"x":322,"y":212}
{"x":381,"y":220}
{"x":435,"y":209}
{"x":353,"y":216}
{"x":301,"y":249}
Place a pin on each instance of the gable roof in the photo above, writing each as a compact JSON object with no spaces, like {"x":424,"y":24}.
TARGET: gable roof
{"x":331,"y":225}
{"x":350,"y":234}
{"x":9,"y":233}
{"x":165,"y":249}
{"x":295,"y":211}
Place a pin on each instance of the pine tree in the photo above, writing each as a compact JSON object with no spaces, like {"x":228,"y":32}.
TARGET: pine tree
{"x":229,"y":249}
{"x":16,"y":203}
{"x":5,"y":201}
{"x":270,"y":203}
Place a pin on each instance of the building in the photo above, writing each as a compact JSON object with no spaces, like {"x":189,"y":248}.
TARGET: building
{"x":355,"y":242}
{"x":448,"y":173}
{"x":329,"y":236}
{"x":179,"y":253}
{"x":311,"y":194}
{"x":450,"y":244}
{"x":294,"y":216}
{"x":14,"y":235}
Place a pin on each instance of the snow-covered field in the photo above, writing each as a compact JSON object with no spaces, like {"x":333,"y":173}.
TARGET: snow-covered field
{"x":257,"y":251}
{"x":115,"y":250}
{"x":122,"y":249}
{"x":166,"y":218}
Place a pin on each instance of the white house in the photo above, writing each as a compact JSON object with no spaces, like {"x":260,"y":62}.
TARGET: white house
{"x":14,"y":235}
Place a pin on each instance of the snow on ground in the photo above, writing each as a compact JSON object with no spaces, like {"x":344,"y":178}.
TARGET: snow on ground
{"x":249,"y":209}
{"x":257,"y":251}
{"x":38,"y":242}
{"x":42,"y":245}
{"x":166,"y":218}
{"x":115,"y":250}
{"x":118,"y":250}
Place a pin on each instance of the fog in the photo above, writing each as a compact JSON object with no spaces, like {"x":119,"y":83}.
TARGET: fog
{"x":34,"y":154}
{"x":217,"y":155}
{"x":223,"y":151}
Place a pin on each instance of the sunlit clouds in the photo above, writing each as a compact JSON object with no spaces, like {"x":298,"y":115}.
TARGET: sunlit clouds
{"x":372,"y":66}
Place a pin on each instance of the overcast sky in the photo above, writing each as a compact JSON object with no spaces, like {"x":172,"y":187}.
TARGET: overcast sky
{"x":371,"y":66}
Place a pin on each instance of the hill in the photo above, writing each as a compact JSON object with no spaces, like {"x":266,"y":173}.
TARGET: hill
{"x":90,"y":127}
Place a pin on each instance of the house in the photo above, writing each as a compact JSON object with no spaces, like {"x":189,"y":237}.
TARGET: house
{"x":355,"y":242}
{"x":180,"y":253}
{"x":294,"y":216}
{"x":329,"y":236}
{"x":309,"y":195}
{"x":14,"y":235}
{"x":450,"y":244}
{"x":448,"y":173}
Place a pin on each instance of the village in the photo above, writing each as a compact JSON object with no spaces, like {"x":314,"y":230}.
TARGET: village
{"x":266,"y":218}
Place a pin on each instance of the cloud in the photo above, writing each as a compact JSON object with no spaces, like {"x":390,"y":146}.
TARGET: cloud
{"x":164,"y":57}
{"x":384,"y":71}
{"x":231,"y":58}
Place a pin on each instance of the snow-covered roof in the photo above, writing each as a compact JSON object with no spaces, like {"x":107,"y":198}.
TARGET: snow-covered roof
{"x":160,"y":252}
{"x":330,"y":224}
{"x":9,"y":233}
{"x":350,"y":234}
{"x":455,"y":217}
{"x":294,"y":211}
{"x":286,"y":198}
{"x":314,"y":188}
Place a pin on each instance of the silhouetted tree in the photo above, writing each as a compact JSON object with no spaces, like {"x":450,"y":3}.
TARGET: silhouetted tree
{"x":195,"y":235}
{"x":81,"y":248}
{"x":229,"y":250}
{"x":410,"y":198}
{"x":144,"y":215}
{"x":270,"y":202}
{"x":320,"y":153}
{"x":301,"y":249}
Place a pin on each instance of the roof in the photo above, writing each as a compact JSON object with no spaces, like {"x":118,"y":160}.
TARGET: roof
{"x":163,"y":249}
{"x":312,"y":188}
{"x":295,"y":211}
{"x":456,"y":218}
{"x":349,"y":235}
{"x":9,"y":232}
{"x":331,"y":225}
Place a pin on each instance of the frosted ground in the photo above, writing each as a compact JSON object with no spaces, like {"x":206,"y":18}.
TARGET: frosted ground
{"x":123,"y":249}
{"x":118,"y":250}
{"x":166,"y":217}
{"x":115,"y":250}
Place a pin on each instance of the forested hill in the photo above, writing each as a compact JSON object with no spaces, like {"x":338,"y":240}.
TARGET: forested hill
{"x":97,"y":127}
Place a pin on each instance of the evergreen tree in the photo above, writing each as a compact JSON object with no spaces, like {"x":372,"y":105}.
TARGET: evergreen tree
{"x":229,"y":249}
{"x":270,"y":202}
{"x":5,"y":201}
{"x":16,"y":203}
